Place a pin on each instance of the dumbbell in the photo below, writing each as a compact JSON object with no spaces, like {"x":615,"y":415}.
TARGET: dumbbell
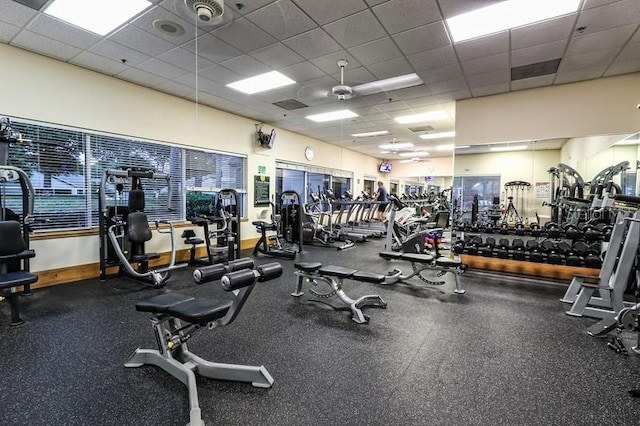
{"x":549,"y":247}
{"x":535,"y":254}
{"x":576,"y":256}
{"x":535,"y":229}
{"x":472,"y":246}
{"x":553,"y":230}
{"x":592,"y":257}
{"x":502,"y":249}
{"x":518,"y":249}
{"x":486,"y":249}
{"x":572,"y":232}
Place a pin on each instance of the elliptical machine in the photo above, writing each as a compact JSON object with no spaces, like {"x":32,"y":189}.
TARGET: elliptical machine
{"x":124,"y":229}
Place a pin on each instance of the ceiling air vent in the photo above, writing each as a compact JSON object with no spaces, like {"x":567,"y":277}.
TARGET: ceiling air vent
{"x":535,"y":70}
{"x":290,"y":104}
{"x":33,"y":4}
{"x":420,"y":129}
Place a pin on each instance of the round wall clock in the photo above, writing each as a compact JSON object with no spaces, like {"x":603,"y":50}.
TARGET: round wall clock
{"x":308,"y":153}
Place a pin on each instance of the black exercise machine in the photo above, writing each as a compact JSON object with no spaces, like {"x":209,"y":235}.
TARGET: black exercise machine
{"x":13,"y":253}
{"x":124,"y":229}
{"x":333,"y":277}
{"x":222,"y":226}
{"x":176,"y":318}
{"x":286,"y":225}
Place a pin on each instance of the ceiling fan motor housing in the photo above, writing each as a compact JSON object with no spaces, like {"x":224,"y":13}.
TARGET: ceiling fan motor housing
{"x":342,"y":91}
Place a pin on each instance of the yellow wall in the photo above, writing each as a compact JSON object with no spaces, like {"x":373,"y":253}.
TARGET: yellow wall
{"x":39,"y":88}
{"x":595,"y":107}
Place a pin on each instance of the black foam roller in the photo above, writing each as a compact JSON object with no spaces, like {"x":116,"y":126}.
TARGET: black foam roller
{"x":269,"y":271}
{"x":238,"y":279}
{"x":209,"y":273}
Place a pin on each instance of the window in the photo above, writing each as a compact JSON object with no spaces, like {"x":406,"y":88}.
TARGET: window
{"x":66,"y":166}
{"x":306,"y":180}
{"x":486,"y":187}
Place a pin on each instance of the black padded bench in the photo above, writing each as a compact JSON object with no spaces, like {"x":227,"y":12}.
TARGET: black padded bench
{"x":333,"y":276}
{"x":421,"y":263}
{"x":178,"y":317}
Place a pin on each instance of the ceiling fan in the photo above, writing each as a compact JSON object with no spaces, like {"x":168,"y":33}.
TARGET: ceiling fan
{"x":343,"y":91}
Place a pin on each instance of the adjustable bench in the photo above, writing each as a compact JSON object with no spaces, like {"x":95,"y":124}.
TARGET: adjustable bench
{"x":421,"y":263}
{"x":334,"y":276}
{"x":177,"y":317}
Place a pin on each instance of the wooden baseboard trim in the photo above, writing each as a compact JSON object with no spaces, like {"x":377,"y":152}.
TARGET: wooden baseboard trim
{"x":542,"y":270}
{"x":71,"y":274}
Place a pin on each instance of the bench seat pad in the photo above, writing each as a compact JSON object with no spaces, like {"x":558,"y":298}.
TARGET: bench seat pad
{"x":337,"y":271}
{"x":308,"y":266}
{"x":368,"y":277}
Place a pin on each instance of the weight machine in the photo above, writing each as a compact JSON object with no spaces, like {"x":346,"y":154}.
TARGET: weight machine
{"x":286,"y":221}
{"x":515,"y":189}
{"x":124,"y":229}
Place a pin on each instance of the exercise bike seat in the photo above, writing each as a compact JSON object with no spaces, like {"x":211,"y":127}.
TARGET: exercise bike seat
{"x":269,"y":226}
{"x":308,"y":266}
{"x":337,"y":271}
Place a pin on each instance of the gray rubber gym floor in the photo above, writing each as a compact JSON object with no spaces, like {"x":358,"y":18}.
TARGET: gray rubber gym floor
{"x":503,"y":353}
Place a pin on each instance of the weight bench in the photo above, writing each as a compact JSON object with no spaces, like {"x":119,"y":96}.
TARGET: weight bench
{"x":334,"y":276}
{"x":424,"y":262}
{"x":177,"y":317}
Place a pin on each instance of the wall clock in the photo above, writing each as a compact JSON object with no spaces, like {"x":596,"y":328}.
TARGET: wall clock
{"x":308,"y":153}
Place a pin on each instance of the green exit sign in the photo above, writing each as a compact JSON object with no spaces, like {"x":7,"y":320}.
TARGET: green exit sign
{"x":262,"y":170}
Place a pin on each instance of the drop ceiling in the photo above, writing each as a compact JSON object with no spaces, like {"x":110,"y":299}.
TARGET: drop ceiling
{"x":304,"y":39}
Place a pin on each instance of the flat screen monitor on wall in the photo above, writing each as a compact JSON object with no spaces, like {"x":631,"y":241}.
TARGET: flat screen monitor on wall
{"x":385,"y":167}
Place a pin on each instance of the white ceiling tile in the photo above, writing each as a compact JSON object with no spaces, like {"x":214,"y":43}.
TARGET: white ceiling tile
{"x":401,"y":15}
{"x":243,"y":35}
{"x":612,"y":15}
{"x":623,"y":67}
{"x":246,"y":66}
{"x":14,"y":13}
{"x":422,"y":38}
{"x":219,"y":74}
{"x":161,"y":68}
{"x":355,"y":29}
{"x":174,"y":88}
{"x":588,"y":4}
{"x":614,"y":37}
{"x":303,"y":71}
{"x":579,"y":75}
{"x":185,"y":59}
{"x":501,"y":76}
{"x":447,"y":86}
{"x":486,"y":64}
{"x":57,"y":30}
{"x":392,"y":68}
{"x":8,"y":31}
{"x":436,"y":75}
{"x":140,"y":77}
{"x":37,"y":43}
{"x":376,"y":51}
{"x":539,"y":53}
{"x":142,"y":41}
{"x":490,"y":90}
{"x":212,"y":48}
{"x":145,"y":22}
{"x":282,"y":19}
{"x":329,"y":63}
{"x":484,"y":46}
{"x":530,"y":83}
{"x":117,"y":52}
{"x":277,"y":56}
{"x":630,"y":52}
{"x":98,"y":63}
{"x":544,"y":32}
{"x":312,"y":44}
{"x":600,"y":58}
{"x":248,"y":7}
{"x":326,"y":11}
{"x":434,"y":58}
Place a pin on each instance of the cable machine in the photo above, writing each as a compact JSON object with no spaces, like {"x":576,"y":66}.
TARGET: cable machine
{"x":124,"y":229}
{"x":515,"y":190}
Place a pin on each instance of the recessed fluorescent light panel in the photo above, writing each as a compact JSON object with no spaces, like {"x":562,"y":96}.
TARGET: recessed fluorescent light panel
{"x":505,"y":15}
{"x":261,"y":83}
{"x":412,"y":160}
{"x":463,"y":146}
{"x":330,"y":116}
{"x":388,"y":84}
{"x":448,"y":147}
{"x":425,"y":116}
{"x":440,"y":135}
{"x":98,"y":16}
{"x":396,"y":146}
{"x":414,"y":154}
{"x":509,"y":148}
{"x":370,"y":134}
